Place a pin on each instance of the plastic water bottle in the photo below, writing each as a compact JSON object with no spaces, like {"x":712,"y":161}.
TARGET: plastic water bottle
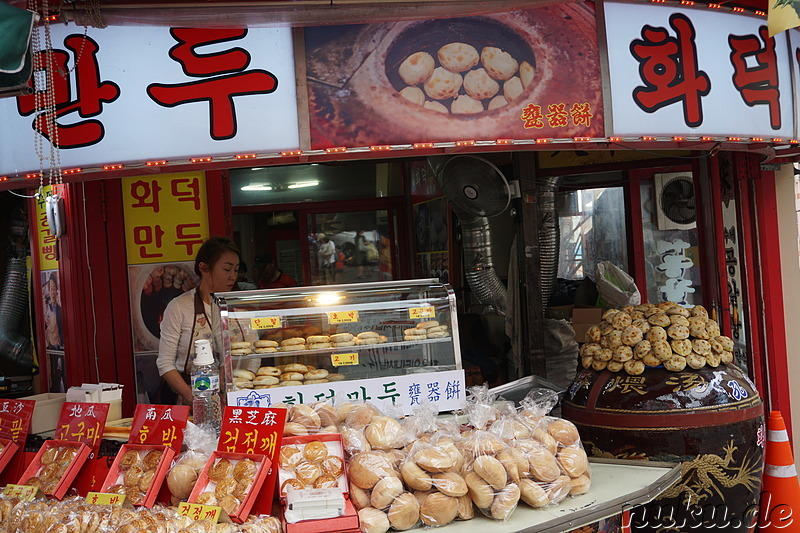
{"x":206,"y":405}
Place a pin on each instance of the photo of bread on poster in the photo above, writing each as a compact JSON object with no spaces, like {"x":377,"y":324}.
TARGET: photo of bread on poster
{"x":152,"y":287}
{"x":487,"y":77}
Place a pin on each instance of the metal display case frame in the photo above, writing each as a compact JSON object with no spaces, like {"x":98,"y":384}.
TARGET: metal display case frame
{"x":387,"y":308}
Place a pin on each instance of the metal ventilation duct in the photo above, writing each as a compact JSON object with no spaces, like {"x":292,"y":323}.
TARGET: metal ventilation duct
{"x":15,"y":347}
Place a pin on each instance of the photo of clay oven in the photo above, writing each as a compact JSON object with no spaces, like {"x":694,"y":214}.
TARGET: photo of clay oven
{"x":474,"y":78}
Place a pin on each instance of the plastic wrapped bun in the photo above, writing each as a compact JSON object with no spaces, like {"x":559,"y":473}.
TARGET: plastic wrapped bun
{"x":404,"y":512}
{"x":466,"y":509}
{"x":491,"y":471}
{"x":181,"y":480}
{"x":559,"y":489}
{"x":450,"y":484}
{"x":434,"y":460}
{"x":564,"y":432}
{"x":384,"y":433}
{"x":367,"y":468}
{"x":481,"y":493}
{"x":579,"y":485}
{"x":573,"y":461}
{"x":438,"y":510}
{"x":359,"y":497}
{"x":533,"y":494}
{"x":505,"y":502}
{"x":360,"y":416}
{"x":415,"y":477}
{"x":372,"y":520}
{"x":385,"y":491}
{"x":354,"y":441}
{"x":184,"y":473}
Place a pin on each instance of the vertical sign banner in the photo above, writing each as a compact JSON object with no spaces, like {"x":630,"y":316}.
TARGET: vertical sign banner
{"x":159,"y":424}
{"x":82,"y":422}
{"x":45,"y":243}
{"x":166,"y":217}
{"x":683,"y":71}
{"x":15,"y":419}
{"x":733,"y":263}
{"x":166,"y":222}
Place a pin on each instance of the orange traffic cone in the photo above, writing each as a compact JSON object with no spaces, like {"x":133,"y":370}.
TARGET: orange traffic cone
{"x":781,"y":490}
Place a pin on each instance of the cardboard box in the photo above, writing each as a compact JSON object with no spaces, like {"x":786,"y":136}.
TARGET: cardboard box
{"x":206,"y":484}
{"x":559,"y":312}
{"x":583,"y":318}
{"x":40,"y":470}
{"x":116,"y":474}
{"x":46,"y":411}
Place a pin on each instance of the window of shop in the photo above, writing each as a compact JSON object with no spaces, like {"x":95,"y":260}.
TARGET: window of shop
{"x":593,"y":229}
{"x":314,"y":183}
{"x":671,"y":240}
{"x":349,"y":247}
{"x":319,"y":224}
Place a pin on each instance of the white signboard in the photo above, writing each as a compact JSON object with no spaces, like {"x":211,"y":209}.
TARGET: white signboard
{"x":445,"y":390}
{"x":149,"y":94}
{"x":676,"y":71}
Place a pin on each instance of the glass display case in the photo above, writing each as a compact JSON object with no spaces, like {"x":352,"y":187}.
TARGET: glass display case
{"x":391,"y":341}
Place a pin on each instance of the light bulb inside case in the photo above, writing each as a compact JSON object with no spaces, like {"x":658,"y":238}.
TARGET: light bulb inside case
{"x":55,"y":215}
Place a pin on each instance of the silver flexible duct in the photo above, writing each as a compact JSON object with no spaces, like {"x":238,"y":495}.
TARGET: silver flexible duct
{"x":549,"y":235}
{"x":481,"y":275}
{"x":15,"y":347}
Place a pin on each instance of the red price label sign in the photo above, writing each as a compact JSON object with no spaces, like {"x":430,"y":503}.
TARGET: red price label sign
{"x":196,"y":511}
{"x":159,"y":424}
{"x":82,"y":422}
{"x":342,"y":317}
{"x":421,"y":312}
{"x":104,"y":498}
{"x":25,"y":493}
{"x":265,"y":322}
{"x":344,"y":359}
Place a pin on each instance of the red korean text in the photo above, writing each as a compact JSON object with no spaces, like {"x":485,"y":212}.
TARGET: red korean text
{"x":668,"y":67}
{"x":224,"y":76}
{"x":757,"y":85}
{"x":87,"y":101}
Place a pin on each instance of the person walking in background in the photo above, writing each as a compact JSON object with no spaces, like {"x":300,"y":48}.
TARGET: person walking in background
{"x":327,"y":256}
{"x":360,"y":255}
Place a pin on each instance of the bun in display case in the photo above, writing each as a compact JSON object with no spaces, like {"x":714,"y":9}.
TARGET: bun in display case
{"x":393,"y":342}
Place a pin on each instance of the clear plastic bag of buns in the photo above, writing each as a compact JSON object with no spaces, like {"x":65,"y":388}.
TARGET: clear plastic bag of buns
{"x":554,"y":447}
{"x":432,"y":473}
{"x":365,"y":428}
{"x":491,"y":474}
{"x":186,"y":466}
{"x":481,"y":406}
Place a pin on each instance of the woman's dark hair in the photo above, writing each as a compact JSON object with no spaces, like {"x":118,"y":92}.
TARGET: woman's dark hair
{"x":211,"y":251}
